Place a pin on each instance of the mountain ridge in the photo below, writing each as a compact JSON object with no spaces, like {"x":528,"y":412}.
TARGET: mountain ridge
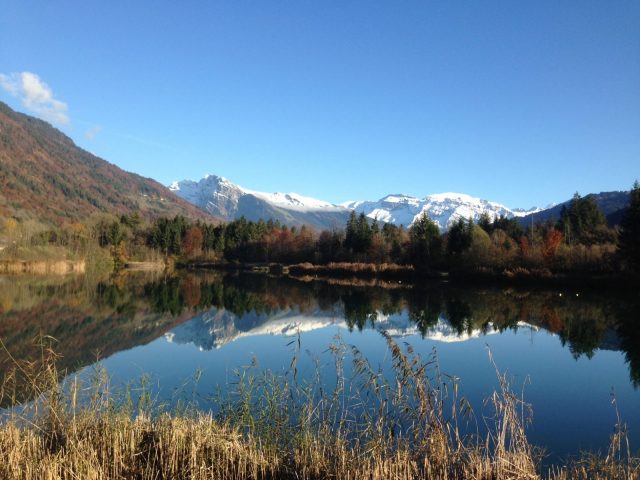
{"x":611,"y":203}
{"x":45,"y":176}
{"x":221,"y":197}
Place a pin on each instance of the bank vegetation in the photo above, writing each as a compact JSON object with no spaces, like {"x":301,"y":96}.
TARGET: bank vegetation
{"x":410,"y":424}
{"x":580,"y":244}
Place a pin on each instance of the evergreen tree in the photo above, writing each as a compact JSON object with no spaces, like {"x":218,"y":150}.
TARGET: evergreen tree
{"x":485,"y":223}
{"x":116,"y":233}
{"x":629,"y":246}
{"x":459,"y":236}
{"x":510,"y":226}
{"x":582,"y":221}
{"x":351,"y":230}
{"x":375,"y":228}
{"x":364,"y":233}
{"x":358,"y":234}
{"x":394,"y":238}
{"x":425,"y":242}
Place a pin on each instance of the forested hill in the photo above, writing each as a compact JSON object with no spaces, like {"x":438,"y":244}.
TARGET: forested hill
{"x":612,"y":205}
{"x":44,"y":176}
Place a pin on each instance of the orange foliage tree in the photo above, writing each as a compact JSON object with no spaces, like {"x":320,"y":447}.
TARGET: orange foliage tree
{"x":552,"y":241}
{"x":192,"y":242}
{"x":524,"y":245}
{"x":191,"y":291}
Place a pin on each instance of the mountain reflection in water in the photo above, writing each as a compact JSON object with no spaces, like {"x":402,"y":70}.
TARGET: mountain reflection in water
{"x":91,"y":320}
{"x":573,"y":347}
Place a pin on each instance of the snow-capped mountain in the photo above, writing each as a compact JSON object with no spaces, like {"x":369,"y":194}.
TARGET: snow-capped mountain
{"x":216,"y":195}
{"x":442,"y":208}
{"x":224,"y":199}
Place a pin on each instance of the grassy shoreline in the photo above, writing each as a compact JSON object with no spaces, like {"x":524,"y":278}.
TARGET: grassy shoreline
{"x":277,"y":427}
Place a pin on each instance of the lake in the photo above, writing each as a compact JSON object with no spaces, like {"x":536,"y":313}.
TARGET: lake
{"x":569,"y":352}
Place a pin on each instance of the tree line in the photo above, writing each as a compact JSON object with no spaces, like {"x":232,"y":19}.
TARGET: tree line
{"x":580,"y":240}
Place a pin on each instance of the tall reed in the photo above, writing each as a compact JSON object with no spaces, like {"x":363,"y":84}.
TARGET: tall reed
{"x":400,"y":423}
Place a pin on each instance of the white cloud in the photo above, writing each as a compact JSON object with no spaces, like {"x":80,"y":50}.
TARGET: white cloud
{"x":92,"y":132}
{"x":36,"y":96}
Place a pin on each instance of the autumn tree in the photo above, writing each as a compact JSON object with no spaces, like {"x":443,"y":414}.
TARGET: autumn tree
{"x":552,"y":241}
{"x":523,"y":243}
{"x":190,"y":289}
{"x":192,"y":242}
{"x":10,"y":228}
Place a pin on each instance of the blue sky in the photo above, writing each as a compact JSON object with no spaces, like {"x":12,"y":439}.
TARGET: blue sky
{"x":522,"y":103}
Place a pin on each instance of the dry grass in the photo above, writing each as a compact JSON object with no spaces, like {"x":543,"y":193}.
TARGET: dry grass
{"x":367,"y":426}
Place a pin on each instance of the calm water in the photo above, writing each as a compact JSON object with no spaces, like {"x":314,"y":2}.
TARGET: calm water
{"x":569,"y":350}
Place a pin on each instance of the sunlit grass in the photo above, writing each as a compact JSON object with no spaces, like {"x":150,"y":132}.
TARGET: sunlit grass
{"x":367,"y":424}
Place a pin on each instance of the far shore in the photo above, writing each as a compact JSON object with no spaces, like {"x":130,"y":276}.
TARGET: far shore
{"x":406,"y":274}
{"x":356,"y":273}
{"x":42,"y":267}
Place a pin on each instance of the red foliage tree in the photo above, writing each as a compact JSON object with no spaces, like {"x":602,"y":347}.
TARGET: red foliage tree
{"x":552,"y":241}
{"x":191,"y":292}
{"x":524,"y":245}
{"x":551,"y":317}
{"x":192,"y":242}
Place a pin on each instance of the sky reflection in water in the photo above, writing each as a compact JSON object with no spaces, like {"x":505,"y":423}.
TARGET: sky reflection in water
{"x":568,"y":353}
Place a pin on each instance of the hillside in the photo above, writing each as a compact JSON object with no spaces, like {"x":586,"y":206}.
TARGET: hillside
{"x":612,"y":204}
{"x":44,"y":176}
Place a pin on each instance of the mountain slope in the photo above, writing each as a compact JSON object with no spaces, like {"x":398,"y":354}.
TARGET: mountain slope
{"x":222,"y":198}
{"x":44,"y":176}
{"x":611,"y":203}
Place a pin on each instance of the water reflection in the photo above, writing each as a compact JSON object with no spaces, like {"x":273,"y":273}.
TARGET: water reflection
{"x":574,"y":347}
{"x":583,"y":323}
{"x":96,"y":319}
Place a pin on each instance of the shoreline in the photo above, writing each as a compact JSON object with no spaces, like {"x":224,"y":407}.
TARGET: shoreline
{"x":86,"y":428}
{"x":409,"y":276}
{"x":42,"y":267}
{"x":355,"y":273}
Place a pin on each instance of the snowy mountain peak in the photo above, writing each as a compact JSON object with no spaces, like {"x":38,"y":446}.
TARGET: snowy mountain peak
{"x":452,"y":196}
{"x":222,"y":198}
{"x":443,"y":208}
{"x":294,"y":201}
{"x":400,"y":198}
{"x":225,"y":199}
{"x":214,"y":185}
{"x":521,"y":212}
